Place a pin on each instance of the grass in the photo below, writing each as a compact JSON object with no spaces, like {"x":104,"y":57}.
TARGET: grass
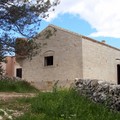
{"x":56,"y":105}
{"x":65,"y":105}
{"x":20,"y":86}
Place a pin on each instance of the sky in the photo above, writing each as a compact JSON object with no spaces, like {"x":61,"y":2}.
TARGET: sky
{"x":97,"y":19}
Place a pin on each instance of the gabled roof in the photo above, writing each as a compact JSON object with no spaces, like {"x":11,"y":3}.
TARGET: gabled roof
{"x":82,"y":36}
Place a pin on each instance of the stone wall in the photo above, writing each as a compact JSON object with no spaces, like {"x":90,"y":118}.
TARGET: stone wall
{"x":100,"y":92}
{"x":74,"y":56}
{"x":97,"y":57}
{"x":67,"y":64}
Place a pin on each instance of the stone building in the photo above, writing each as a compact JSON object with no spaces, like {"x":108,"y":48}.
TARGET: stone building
{"x":66,"y":55}
{"x":8,"y":66}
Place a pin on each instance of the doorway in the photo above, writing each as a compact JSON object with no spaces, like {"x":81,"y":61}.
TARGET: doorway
{"x":118,"y":74}
{"x":19,"y":72}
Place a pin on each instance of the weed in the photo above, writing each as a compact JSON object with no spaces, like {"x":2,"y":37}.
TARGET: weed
{"x":66,"y":105}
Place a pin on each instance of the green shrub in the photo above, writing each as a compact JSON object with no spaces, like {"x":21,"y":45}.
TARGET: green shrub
{"x":14,"y":85}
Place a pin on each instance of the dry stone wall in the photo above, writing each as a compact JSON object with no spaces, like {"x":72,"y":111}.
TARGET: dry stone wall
{"x":100,"y":91}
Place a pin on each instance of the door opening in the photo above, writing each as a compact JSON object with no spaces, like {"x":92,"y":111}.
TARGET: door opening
{"x":19,"y":72}
{"x":118,"y":74}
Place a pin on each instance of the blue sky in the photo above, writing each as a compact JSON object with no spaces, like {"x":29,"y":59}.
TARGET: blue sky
{"x":97,"y":19}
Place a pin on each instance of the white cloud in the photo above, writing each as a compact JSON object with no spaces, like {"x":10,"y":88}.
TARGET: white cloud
{"x":103,"y":15}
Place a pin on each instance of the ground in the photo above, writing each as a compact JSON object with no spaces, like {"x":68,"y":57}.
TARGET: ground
{"x":10,"y":107}
{"x":10,"y":95}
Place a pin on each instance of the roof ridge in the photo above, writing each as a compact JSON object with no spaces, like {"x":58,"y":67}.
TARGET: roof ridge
{"x":83,"y":36}
{"x":66,"y":30}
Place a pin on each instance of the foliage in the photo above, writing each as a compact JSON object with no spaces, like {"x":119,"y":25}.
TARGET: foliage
{"x":21,"y":17}
{"x":1,"y":59}
{"x":23,"y":47}
{"x":1,"y":70}
{"x":66,"y":105}
{"x":14,"y":85}
{"x":17,"y":15}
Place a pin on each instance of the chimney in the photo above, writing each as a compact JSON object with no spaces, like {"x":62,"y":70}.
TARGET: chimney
{"x":103,"y":41}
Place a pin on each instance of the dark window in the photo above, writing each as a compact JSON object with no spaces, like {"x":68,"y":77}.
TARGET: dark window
{"x":48,"y":61}
{"x":118,"y":73}
{"x":19,"y":72}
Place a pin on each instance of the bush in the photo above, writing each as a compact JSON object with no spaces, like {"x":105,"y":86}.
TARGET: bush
{"x":14,"y":85}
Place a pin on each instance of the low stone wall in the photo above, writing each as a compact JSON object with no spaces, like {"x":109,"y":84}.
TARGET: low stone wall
{"x":100,"y":91}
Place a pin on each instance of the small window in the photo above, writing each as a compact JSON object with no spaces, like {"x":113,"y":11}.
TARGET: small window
{"x":48,"y":61}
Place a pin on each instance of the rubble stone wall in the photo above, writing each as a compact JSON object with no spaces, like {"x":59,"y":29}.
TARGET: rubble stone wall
{"x":100,"y":92}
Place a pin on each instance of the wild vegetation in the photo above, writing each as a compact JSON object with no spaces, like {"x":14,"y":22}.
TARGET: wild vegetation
{"x":65,"y":105}
{"x":55,"y":105}
{"x":21,"y":18}
{"x":14,"y":85}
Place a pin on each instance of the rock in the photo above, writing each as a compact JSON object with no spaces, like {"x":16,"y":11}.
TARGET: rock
{"x":94,"y":83}
{"x":10,"y":117}
{"x":100,"y":91}
{"x":1,"y":118}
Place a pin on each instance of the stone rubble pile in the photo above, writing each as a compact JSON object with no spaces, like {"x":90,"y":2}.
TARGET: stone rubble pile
{"x":100,"y":91}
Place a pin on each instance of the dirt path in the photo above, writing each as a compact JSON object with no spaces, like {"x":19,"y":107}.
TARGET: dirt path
{"x":10,"y":95}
